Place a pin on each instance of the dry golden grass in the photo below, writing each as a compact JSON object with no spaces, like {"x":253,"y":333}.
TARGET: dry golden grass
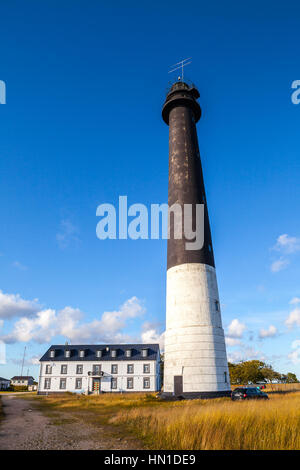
{"x":193,"y":424}
{"x":219,"y":424}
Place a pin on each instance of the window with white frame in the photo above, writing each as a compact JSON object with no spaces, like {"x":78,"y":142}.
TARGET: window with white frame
{"x":114,"y":383}
{"x":52,"y":353}
{"x":128,"y":353}
{"x":146,"y":368}
{"x":64,"y":369}
{"x":67,"y":353}
{"x":79,"y":369}
{"x":48,"y":369}
{"x":96,"y":369}
{"x":78,"y":384}
{"x":81,"y":353}
{"x":146,"y":382}
{"x":130,"y":368}
{"x":113,"y":353}
{"x":144,"y":352}
{"x":99,"y":353}
{"x":130,"y":383}
{"x":47,"y":383}
{"x":114,"y":368}
{"x":63,"y":384}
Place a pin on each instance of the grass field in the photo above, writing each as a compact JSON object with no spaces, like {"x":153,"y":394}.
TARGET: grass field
{"x":194,"y":424}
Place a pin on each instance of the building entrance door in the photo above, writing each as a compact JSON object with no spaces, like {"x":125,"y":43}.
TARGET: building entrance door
{"x":178,"y":388}
{"x":96,"y":385}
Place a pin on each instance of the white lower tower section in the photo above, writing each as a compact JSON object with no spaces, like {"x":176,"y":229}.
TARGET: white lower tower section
{"x":194,"y":339}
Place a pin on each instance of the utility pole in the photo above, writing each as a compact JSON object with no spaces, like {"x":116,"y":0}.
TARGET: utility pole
{"x":23,"y":361}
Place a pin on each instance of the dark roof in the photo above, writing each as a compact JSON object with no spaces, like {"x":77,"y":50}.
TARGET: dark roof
{"x":2,"y":378}
{"x":90,"y":352}
{"x":22,"y":377}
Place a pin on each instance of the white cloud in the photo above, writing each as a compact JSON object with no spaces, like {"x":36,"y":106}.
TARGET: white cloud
{"x":295,"y":301}
{"x":295,"y":344}
{"x":232,"y":341}
{"x":294,"y":318}
{"x":294,"y":356}
{"x":246,"y":354}
{"x":12,"y":305}
{"x":31,"y":361}
{"x":40,"y":328}
{"x":67,"y":323}
{"x":20,"y":266}
{"x":269,"y":333}
{"x":68,"y":233}
{"x":236,"y":329}
{"x":279,"y":265}
{"x":151,"y":335}
{"x":287,"y":244}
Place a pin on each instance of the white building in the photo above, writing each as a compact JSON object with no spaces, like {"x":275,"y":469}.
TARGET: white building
{"x":4,"y":383}
{"x":22,"y":380}
{"x":100,"y":368}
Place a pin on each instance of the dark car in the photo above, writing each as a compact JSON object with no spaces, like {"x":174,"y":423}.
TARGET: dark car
{"x":248,"y":393}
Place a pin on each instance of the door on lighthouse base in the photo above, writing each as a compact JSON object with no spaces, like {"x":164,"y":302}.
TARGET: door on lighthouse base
{"x":178,"y":388}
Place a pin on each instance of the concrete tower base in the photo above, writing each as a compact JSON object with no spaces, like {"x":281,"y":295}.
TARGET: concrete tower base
{"x":195,"y":353}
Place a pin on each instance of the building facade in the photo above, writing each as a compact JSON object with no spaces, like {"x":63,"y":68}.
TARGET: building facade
{"x":195,"y":353}
{"x":4,"y":383}
{"x":22,"y":380}
{"x":100,"y":368}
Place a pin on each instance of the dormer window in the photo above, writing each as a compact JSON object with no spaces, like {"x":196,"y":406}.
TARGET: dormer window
{"x":67,"y":353}
{"x":113,"y":353}
{"x":128,"y":353}
{"x":99,"y":353}
{"x":81,"y":353}
{"x":144,"y":352}
{"x":52,"y":353}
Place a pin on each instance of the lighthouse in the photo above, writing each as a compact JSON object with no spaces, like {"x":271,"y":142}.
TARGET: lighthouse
{"x":195,"y":362}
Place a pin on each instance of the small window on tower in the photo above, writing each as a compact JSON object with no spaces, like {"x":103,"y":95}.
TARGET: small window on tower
{"x":217,"y":304}
{"x":225,"y":377}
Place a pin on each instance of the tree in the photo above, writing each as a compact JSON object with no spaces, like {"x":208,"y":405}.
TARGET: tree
{"x":252,"y":371}
{"x":235,"y":372}
{"x":291,"y":378}
{"x":269,"y":373}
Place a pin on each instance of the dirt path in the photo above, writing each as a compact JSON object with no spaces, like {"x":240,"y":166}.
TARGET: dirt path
{"x":26,"y":428}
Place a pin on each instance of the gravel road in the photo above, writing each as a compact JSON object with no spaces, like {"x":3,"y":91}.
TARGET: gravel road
{"x":26,"y":428}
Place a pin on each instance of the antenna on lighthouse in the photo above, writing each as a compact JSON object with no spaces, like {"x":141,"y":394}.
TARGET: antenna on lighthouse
{"x":180,"y":65}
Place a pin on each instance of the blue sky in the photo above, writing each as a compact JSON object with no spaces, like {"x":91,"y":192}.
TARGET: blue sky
{"x":82,"y":125}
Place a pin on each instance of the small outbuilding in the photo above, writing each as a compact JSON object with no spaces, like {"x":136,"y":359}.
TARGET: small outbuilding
{"x":4,"y":383}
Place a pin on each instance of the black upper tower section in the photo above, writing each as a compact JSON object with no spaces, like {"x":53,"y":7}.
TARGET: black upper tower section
{"x":181,"y":112}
